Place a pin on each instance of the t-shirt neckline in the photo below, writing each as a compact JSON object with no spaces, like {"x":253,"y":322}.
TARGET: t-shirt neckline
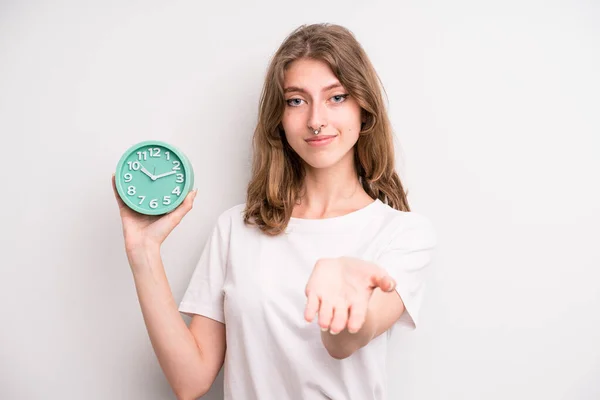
{"x":333,"y":223}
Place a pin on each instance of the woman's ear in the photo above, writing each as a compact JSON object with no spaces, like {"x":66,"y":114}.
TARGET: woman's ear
{"x":363,"y":119}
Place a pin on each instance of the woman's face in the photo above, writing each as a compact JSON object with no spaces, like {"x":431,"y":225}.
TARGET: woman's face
{"x":315,"y":99}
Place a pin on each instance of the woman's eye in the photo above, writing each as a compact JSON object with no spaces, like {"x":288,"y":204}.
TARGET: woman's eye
{"x":339,"y":98}
{"x":294,"y":102}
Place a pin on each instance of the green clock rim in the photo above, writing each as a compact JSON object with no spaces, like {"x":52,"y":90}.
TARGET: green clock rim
{"x":187,"y":167}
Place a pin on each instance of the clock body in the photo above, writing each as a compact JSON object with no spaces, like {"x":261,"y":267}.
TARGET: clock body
{"x":153,"y":177}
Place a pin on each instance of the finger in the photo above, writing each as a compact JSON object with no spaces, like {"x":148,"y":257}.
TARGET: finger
{"x":167,"y":223}
{"x":312,"y":306}
{"x":177,"y":215}
{"x":357,"y":316}
{"x":386,"y":283}
{"x":382,"y":280}
{"x":325,"y":314}
{"x":340,"y":318}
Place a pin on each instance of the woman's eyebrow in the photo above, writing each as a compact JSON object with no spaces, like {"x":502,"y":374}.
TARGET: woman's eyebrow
{"x":301,"y":90}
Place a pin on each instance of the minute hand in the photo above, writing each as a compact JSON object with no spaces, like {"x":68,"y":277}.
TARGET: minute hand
{"x":165,"y":174}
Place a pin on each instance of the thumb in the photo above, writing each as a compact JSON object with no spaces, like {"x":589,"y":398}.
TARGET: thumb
{"x":385,"y":282}
{"x":166,"y":223}
{"x":177,"y":215}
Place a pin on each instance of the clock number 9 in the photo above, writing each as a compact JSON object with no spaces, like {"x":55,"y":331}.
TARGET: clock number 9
{"x":128,"y":177}
{"x":179,"y":178}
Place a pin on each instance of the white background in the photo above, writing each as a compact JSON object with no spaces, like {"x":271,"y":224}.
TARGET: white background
{"x":495,"y":107}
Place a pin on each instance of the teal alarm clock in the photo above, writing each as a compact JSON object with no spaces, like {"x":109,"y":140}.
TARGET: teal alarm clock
{"x":153,"y":177}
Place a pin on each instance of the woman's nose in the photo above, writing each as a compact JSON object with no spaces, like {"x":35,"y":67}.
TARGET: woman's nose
{"x":318,"y":116}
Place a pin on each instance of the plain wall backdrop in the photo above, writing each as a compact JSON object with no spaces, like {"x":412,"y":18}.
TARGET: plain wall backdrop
{"x":495,"y":107}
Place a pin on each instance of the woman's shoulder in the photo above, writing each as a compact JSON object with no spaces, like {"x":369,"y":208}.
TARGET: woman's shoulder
{"x":234,"y":211}
{"x":228,"y":220}
{"x":403,"y":218}
{"x":406,"y":227}
{"x":231,"y":214}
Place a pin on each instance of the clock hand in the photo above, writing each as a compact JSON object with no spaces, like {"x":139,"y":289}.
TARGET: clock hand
{"x":165,"y":174}
{"x":145,"y":171}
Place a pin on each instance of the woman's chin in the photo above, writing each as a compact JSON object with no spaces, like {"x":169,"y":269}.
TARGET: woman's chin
{"x":322,"y":162}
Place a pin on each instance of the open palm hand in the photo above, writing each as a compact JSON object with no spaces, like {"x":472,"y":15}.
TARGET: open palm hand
{"x":339,"y":290}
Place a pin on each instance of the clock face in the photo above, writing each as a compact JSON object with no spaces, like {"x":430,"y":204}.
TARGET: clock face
{"x":153,"y":178}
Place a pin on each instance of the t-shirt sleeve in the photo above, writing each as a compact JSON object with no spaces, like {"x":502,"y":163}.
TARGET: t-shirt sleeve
{"x":204,"y":294}
{"x":406,"y":258}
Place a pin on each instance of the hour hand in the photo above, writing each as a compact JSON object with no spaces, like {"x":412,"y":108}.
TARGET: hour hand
{"x":165,"y":174}
{"x":145,"y":171}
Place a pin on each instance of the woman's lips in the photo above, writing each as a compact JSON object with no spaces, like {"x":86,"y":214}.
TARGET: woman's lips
{"x":320,"y":140}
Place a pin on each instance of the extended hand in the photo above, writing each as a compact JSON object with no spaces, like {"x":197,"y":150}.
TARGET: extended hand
{"x":339,"y":290}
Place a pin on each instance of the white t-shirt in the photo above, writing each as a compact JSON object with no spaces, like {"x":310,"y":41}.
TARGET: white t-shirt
{"x":254,"y":284}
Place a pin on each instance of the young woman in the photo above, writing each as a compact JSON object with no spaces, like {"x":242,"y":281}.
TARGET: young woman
{"x":303,"y":283}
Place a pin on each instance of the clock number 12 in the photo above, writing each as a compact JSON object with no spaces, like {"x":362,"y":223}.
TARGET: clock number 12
{"x":152,"y":152}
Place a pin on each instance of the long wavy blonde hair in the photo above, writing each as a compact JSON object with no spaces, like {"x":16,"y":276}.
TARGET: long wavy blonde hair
{"x":277,"y":170}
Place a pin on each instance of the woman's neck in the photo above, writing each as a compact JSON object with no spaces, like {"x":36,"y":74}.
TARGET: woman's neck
{"x":330,"y":192}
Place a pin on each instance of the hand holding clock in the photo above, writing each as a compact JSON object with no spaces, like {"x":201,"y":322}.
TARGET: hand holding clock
{"x":150,"y":209}
{"x":142,"y":232}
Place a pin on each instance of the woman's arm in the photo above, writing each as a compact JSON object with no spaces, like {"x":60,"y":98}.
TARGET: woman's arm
{"x":189,"y":357}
